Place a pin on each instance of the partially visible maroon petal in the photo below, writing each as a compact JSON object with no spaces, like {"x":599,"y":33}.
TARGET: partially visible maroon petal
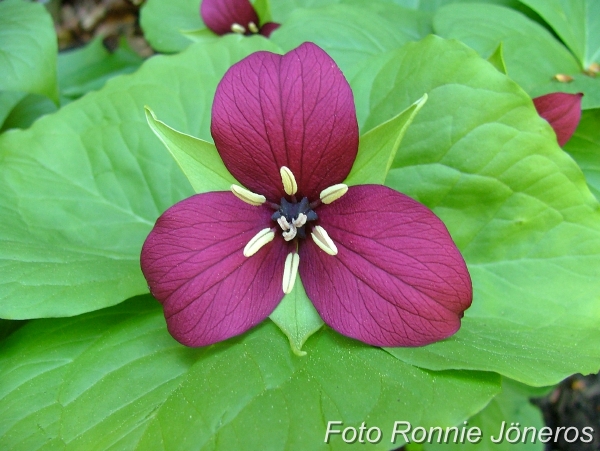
{"x":398,"y":278}
{"x":220,"y":15}
{"x":295,"y":110}
{"x":194,"y":264}
{"x":562,"y":111}
{"x":269,"y":28}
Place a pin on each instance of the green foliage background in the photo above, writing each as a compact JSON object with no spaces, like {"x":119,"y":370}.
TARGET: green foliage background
{"x":86,"y":361}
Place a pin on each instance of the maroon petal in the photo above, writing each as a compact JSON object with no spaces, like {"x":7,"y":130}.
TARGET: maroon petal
{"x":562,"y":111}
{"x":194,"y":264}
{"x":398,"y":278}
{"x":269,"y":28}
{"x":295,"y":110}
{"x":220,"y":15}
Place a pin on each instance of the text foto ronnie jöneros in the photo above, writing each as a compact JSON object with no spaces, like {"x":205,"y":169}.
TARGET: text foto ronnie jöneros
{"x":506,"y":432}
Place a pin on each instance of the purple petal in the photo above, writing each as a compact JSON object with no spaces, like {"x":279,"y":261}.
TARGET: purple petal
{"x":220,"y":15}
{"x":562,"y":111}
{"x":398,"y":278}
{"x":295,"y":110}
{"x":195,"y":267}
{"x":269,"y":28}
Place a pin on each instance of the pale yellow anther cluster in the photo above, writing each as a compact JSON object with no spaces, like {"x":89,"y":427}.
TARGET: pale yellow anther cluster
{"x":240,"y":29}
{"x":237,"y":28}
{"x":290,"y":186}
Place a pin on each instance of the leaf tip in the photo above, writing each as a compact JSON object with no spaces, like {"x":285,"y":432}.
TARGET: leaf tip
{"x":419,"y":103}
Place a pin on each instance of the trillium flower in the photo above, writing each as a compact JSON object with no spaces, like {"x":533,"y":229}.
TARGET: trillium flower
{"x":377,"y":265}
{"x":233,"y":16}
{"x":562,"y":111}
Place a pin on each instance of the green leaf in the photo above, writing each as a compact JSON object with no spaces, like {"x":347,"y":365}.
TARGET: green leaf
{"x":347,"y":33}
{"x":576,"y":22}
{"x":163,"y":22}
{"x":412,"y":23}
{"x":8,"y":327}
{"x":83,"y":187}
{"x":198,"y":159}
{"x":200,"y":35}
{"x":20,"y":109}
{"x":282,"y":9}
{"x":377,"y":148}
{"x":362,"y":84}
{"x":297,"y":318}
{"x":27,"y":49}
{"x":88,"y":69}
{"x":497,"y":59}
{"x":114,"y":378}
{"x":532,"y":55}
{"x":27,"y":110}
{"x":263,"y":9}
{"x":433,"y":5}
{"x":8,"y":100}
{"x":510,"y":406}
{"x":517,"y":206}
{"x":584,"y":147}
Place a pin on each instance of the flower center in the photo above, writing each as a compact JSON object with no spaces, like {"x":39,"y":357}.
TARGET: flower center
{"x":292,"y":218}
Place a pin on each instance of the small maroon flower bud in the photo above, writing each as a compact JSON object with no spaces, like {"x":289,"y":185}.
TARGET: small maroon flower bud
{"x":233,"y":16}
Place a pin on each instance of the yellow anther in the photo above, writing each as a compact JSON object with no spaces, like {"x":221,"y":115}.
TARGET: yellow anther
{"x":252,"y":27}
{"x":290,"y":270}
{"x":563,"y":78}
{"x":248,"y":196}
{"x":259,"y":240}
{"x":321,"y":239}
{"x":289,"y":181}
{"x":593,"y":70}
{"x":332,"y":193}
{"x":237,"y":28}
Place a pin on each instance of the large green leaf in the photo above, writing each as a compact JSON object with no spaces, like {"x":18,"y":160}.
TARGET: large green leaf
{"x":532,"y":54}
{"x":19,"y":109}
{"x":83,"y":187}
{"x":27,"y":49}
{"x":584,"y":147}
{"x":510,"y":406}
{"x":577,"y":22}
{"x":114,"y":379}
{"x":87,"y":69}
{"x":164,"y":21}
{"x":413,"y":24}
{"x":432,"y":5}
{"x":348,"y":33}
{"x":517,"y":206}
{"x":378,"y":147}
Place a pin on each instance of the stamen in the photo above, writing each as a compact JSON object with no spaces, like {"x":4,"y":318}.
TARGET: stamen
{"x":290,"y":270}
{"x":283,"y":223}
{"x":259,"y":240}
{"x":237,"y":28}
{"x":252,"y":27}
{"x":290,"y":234}
{"x":563,"y":78}
{"x":289,"y":230}
{"x":248,"y":196}
{"x":321,"y":239}
{"x":332,"y":193}
{"x":300,"y":220}
{"x":289,"y":181}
